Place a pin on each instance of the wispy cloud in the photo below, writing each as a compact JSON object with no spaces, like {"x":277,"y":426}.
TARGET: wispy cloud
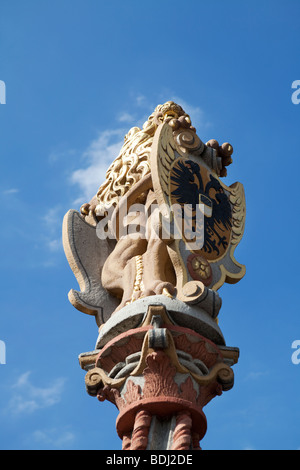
{"x":32,"y":397}
{"x":100,"y":153}
{"x":52,"y":220}
{"x":196,"y":113}
{"x":53,"y":438}
{"x":141,"y":100}
{"x":126,"y":117}
{"x":8,"y":192}
{"x":97,"y":158}
{"x":52,"y":217}
{"x":59,"y":155}
{"x":256,"y":375}
{"x":55,"y":245}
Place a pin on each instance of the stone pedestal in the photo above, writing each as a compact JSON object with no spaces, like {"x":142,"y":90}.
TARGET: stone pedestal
{"x":160,"y":362}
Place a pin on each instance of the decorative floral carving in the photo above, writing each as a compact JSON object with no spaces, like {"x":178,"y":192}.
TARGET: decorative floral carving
{"x":200,"y":269}
{"x":159,"y":376}
{"x":133,"y":392}
{"x":198,"y":350}
{"x":188,"y":391}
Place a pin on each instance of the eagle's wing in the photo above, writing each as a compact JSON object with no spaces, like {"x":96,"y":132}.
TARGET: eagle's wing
{"x":187,"y":191}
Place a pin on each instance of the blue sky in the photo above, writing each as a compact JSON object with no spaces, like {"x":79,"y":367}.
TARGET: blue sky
{"x":78,"y":75}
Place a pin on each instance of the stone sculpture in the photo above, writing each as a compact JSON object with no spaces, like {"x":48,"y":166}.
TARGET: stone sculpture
{"x":150,"y":252}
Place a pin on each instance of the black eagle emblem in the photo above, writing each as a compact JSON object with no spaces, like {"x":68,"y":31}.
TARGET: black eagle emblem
{"x":190,"y":189}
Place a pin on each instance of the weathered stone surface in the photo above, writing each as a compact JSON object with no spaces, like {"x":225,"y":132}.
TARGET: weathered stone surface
{"x":182,"y":314}
{"x":160,"y":355}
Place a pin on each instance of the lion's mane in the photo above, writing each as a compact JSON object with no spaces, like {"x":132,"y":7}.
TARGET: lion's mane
{"x":132,"y":163}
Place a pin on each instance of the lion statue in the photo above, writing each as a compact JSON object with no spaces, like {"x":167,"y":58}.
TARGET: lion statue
{"x":141,"y":266}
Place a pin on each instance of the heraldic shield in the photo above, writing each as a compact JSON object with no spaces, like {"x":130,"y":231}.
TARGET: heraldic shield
{"x":205,"y":218}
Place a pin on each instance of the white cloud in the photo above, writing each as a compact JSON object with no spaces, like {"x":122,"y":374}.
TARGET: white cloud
{"x":27,"y":398}
{"x":53,"y":222}
{"x":53,"y":438}
{"x":126,"y":117}
{"x":10,"y":191}
{"x":57,"y":155}
{"x":52,"y":217}
{"x":255,"y":375}
{"x":106,"y":147}
{"x":55,"y":245}
{"x":141,"y":100}
{"x":98,"y":156}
